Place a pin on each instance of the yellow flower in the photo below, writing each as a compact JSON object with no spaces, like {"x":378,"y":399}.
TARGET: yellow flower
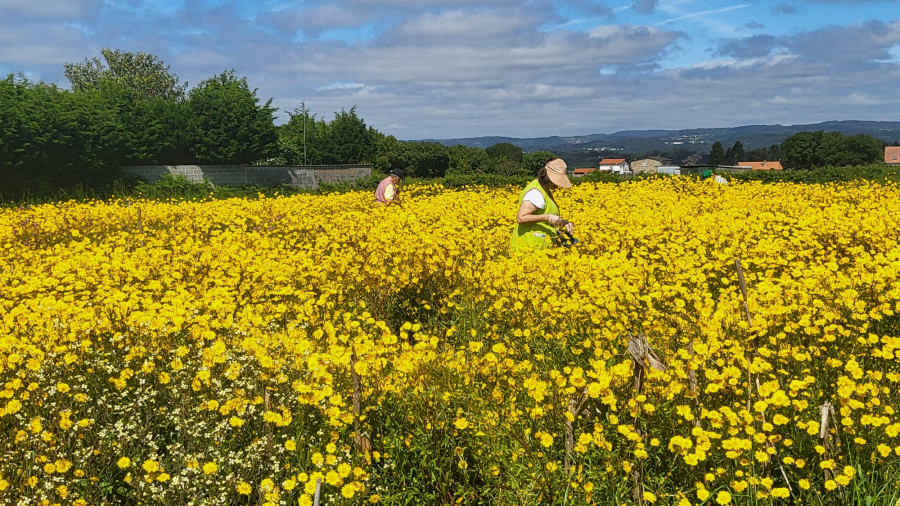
{"x":150,"y":466}
{"x":244,"y":488}
{"x":723,"y":497}
{"x":210,"y":468}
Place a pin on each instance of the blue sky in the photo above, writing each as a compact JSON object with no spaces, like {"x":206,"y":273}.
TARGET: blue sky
{"x":444,"y":69}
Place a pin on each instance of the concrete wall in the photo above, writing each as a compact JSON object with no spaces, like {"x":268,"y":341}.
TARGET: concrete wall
{"x":309,"y":176}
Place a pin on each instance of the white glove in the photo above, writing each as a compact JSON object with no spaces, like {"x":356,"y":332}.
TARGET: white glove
{"x":554,"y":220}
{"x":570,"y":228}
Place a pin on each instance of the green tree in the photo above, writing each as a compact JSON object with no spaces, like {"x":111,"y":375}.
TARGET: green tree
{"x":467,"y":160}
{"x":302,"y":139}
{"x":532,"y":162}
{"x":423,"y":159}
{"x":387,"y":149}
{"x":144,"y":73}
{"x":863,"y":149}
{"x":735,"y":153}
{"x":801,"y":150}
{"x":505,"y":150}
{"x":227,"y":123}
{"x":717,"y":154}
{"x":52,"y":138}
{"x":348,"y":139}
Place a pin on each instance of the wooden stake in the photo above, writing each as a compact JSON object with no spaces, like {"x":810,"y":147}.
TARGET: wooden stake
{"x":269,"y":453}
{"x":692,"y":385}
{"x":318,"y":492}
{"x":642,"y":357}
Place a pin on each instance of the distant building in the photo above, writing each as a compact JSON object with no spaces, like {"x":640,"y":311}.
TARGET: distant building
{"x":582,"y":171}
{"x":892,"y":155}
{"x":761,"y":165}
{"x":614,"y":165}
{"x":645,"y":166}
{"x":671,"y":170}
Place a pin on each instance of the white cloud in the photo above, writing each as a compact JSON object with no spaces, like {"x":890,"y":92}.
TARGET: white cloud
{"x":49,"y":9}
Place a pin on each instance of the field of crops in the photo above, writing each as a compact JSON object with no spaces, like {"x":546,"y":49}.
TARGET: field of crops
{"x":240,"y":351}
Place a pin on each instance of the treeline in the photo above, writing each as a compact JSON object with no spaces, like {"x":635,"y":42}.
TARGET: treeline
{"x":806,"y":151}
{"x":130,"y":109}
{"x":126,"y":111}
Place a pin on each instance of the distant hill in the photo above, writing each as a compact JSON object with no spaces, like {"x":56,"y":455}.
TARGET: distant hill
{"x":698,"y":140}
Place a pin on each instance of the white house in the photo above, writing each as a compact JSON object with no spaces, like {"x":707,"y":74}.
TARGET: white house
{"x":614,"y":165}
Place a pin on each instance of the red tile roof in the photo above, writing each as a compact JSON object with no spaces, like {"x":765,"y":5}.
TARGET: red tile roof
{"x":762,"y":165}
{"x":584,"y":170}
{"x":892,"y":154}
{"x":611,"y":161}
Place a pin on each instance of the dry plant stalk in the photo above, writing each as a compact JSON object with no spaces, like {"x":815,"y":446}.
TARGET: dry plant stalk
{"x":755,"y":379}
{"x":363,"y":444}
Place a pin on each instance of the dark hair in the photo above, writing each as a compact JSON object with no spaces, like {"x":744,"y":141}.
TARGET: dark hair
{"x":543,"y":178}
{"x":544,"y":181}
{"x":397,"y":172}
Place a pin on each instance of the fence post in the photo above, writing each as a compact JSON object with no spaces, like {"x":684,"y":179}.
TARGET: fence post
{"x":642,"y":357}
{"x":318,"y":491}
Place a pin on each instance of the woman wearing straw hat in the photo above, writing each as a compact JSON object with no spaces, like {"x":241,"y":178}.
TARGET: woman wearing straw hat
{"x":537,"y":219}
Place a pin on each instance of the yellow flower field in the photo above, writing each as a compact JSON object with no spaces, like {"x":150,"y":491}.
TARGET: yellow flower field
{"x":240,"y":351}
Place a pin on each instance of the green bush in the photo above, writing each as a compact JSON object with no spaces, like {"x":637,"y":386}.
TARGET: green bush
{"x":873,"y":172}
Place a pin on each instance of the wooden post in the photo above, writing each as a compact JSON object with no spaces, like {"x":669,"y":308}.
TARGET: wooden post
{"x":316,"y":497}
{"x":692,"y":385}
{"x":642,"y":357}
{"x":269,"y":453}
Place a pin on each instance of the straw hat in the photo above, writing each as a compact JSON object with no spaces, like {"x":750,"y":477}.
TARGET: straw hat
{"x":556,"y":171}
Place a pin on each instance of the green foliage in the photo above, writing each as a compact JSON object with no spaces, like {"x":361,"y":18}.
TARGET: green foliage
{"x":809,"y":150}
{"x":226,"y":122}
{"x":533,"y":162}
{"x":773,"y":152}
{"x":717,"y":154}
{"x":143,"y":73}
{"x":467,"y":160}
{"x":831,"y":174}
{"x":51,"y":138}
{"x":348,"y":139}
{"x":304,"y":140}
{"x":505,"y":150}
{"x":735,"y":153}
